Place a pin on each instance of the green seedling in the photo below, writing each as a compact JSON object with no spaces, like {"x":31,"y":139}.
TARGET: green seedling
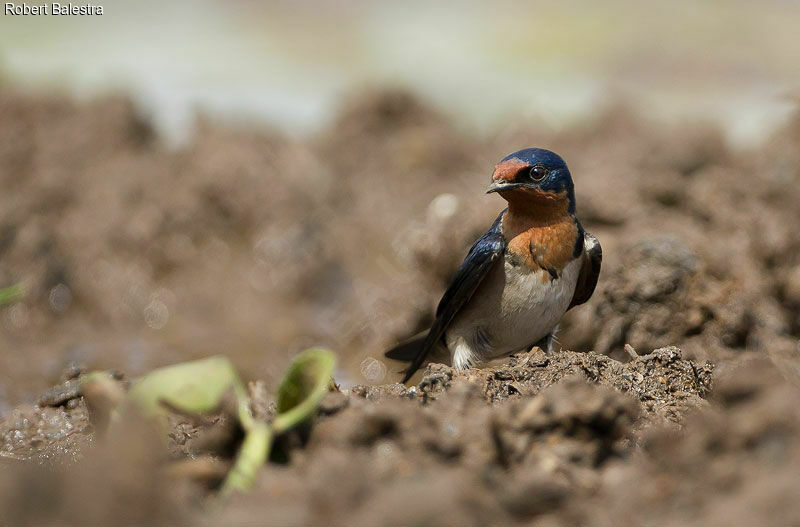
{"x":305,"y":384}
{"x":200,"y":387}
{"x":253,"y":453}
{"x":299,"y":394}
{"x":196,"y":387}
{"x":11,"y":294}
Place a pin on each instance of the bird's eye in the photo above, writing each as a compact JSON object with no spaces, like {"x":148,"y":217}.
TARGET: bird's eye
{"x":538,"y":173}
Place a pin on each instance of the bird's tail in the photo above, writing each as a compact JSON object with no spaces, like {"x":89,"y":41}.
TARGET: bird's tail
{"x":407,"y":350}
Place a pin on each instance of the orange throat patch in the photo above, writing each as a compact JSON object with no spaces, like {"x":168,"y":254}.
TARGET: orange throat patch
{"x":540,"y":232}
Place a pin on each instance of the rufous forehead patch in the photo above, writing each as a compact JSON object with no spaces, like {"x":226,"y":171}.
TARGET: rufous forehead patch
{"x":508,"y":169}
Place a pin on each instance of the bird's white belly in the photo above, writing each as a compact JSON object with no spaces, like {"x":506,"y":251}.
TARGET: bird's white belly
{"x":512,"y":309}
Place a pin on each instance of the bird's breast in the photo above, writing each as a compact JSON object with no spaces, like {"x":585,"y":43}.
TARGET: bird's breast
{"x":547,"y":247}
{"x":525,"y":291}
{"x":515,"y":307}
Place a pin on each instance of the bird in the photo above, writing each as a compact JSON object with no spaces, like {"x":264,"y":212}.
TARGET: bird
{"x":534,"y":264}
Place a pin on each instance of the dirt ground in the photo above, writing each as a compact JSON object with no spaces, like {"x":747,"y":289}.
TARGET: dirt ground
{"x":255,"y":245}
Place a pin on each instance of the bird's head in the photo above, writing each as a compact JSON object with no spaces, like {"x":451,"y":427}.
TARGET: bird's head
{"x":534,"y":178}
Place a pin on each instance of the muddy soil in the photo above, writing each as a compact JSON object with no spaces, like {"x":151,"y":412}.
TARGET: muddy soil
{"x":562,"y":439}
{"x":676,"y":404}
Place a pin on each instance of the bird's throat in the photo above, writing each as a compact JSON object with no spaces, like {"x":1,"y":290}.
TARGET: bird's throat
{"x":535,"y":207}
{"x":541,"y":236}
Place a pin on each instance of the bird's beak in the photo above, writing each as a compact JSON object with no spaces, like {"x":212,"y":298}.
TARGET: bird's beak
{"x":501,"y":184}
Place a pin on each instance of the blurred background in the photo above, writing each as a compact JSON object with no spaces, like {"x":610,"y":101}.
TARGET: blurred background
{"x":290,"y":63}
{"x":251,"y":178}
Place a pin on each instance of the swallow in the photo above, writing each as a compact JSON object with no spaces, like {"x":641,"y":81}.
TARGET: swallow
{"x":534,"y":264}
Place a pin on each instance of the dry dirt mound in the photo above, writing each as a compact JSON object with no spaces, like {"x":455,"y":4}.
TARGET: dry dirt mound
{"x":562,"y":439}
{"x":509,"y":443}
{"x":255,"y":245}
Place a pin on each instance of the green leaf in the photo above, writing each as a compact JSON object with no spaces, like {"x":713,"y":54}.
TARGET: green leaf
{"x":196,"y":387}
{"x":305,"y":384}
{"x":11,"y":294}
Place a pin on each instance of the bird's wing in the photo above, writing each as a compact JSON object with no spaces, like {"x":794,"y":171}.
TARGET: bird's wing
{"x":486,"y":251}
{"x":590,"y":270}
